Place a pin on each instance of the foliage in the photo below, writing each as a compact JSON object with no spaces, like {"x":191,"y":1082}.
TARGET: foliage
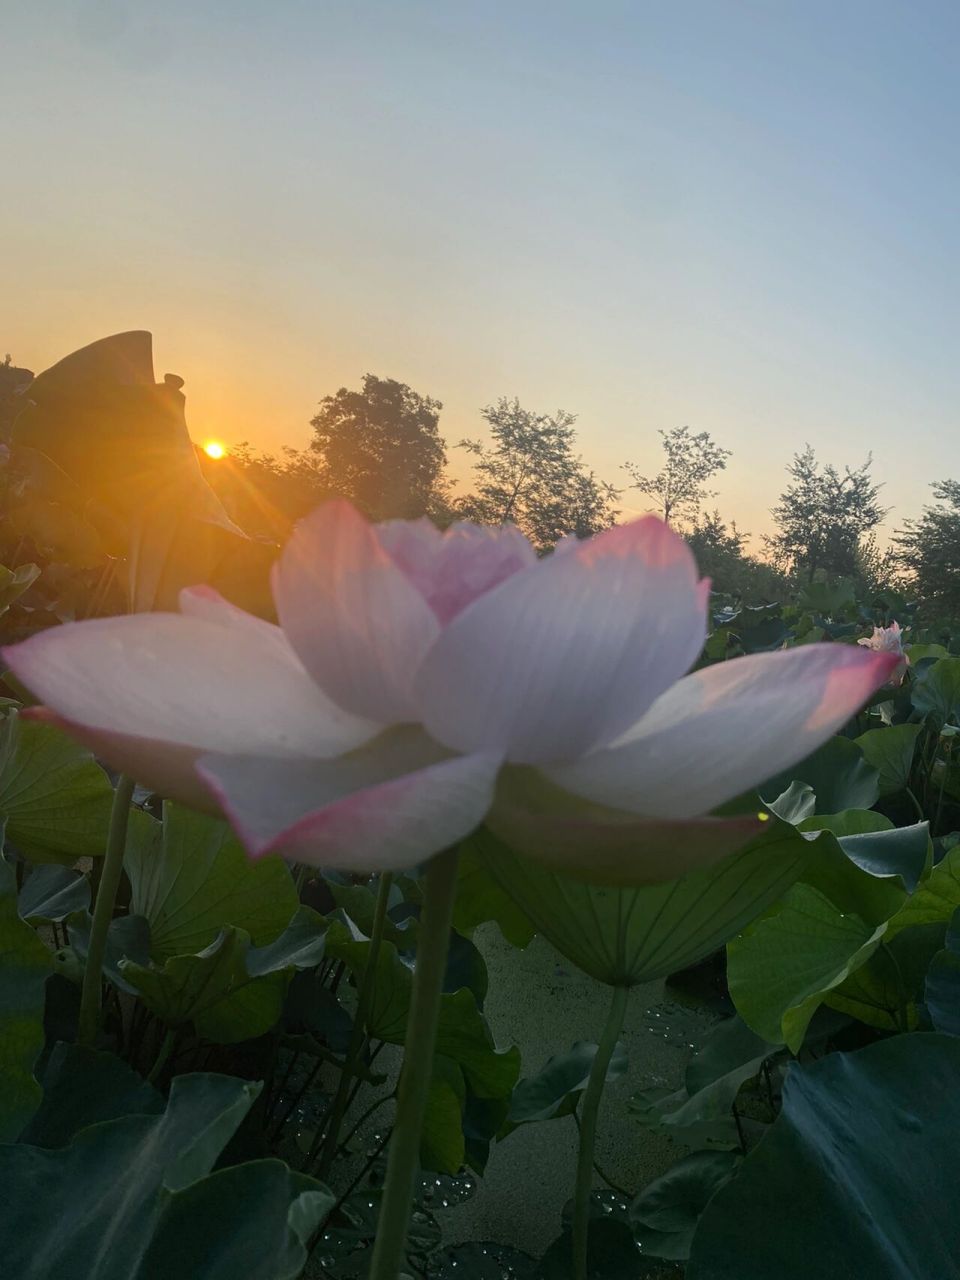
{"x":828,"y":1181}
{"x":381,"y":448}
{"x":266,"y":494}
{"x":680,"y":488}
{"x":721,"y":555}
{"x":823,"y":516}
{"x":531,"y":477}
{"x":929,"y":549}
{"x":68,"y":1215}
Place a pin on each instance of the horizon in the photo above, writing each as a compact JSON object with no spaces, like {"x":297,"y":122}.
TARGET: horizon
{"x":749,"y":232}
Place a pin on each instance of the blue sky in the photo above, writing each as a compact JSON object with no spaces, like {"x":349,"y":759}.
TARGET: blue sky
{"x":741,"y":216}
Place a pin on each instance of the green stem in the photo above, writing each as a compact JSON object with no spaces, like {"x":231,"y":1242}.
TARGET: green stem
{"x":371,"y":1110}
{"x":916,"y":804}
{"x":440,"y":890}
{"x":358,"y":1033}
{"x":589,"y":1111}
{"x":111,"y":870}
{"x":160,"y":1061}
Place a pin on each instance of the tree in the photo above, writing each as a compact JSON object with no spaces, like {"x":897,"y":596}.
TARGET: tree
{"x":381,"y":448}
{"x":721,"y":554}
{"x":679,"y":488}
{"x":823,"y":516}
{"x":929,"y":549}
{"x":532,"y":478}
{"x":266,"y":495}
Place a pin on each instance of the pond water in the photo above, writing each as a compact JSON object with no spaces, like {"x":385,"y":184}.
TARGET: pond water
{"x":539,"y":1002}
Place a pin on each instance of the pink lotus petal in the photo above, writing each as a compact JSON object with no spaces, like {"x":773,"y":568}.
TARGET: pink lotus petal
{"x":165,"y":767}
{"x":357,"y":623}
{"x":181,"y":683}
{"x":453,"y":568}
{"x":390,"y":805}
{"x":726,"y":728}
{"x":566,"y":655}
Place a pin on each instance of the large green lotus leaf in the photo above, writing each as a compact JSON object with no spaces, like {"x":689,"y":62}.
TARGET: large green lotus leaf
{"x":25,"y":965}
{"x":359,"y":902}
{"x":555,"y":1089}
{"x":58,"y":531}
{"x":131,"y":1199}
{"x":230,"y":991}
{"x":780,"y":968}
{"x":266,"y":1215}
{"x":729,"y":1049}
{"x":890,"y":751}
{"x":14,"y":582}
{"x":480,"y":897}
{"x":631,"y":936}
{"x":55,"y":797}
{"x":666,"y":1212}
{"x":462,"y":1033}
{"x":82,"y":1087}
{"x":852,"y":822}
{"x":128,"y":938}
{"x":839,"y":775}
{"x":898,"y":851}
{"x":935,"y":901}
{"x":849,"y":886}
{"x":936,"y":691}
{"x":857,"y":1177}
{"x":917,"y":652}
{"x":871,"y":842}
{"x":51,"y":893}
{"x":943,"y":982}
{"x":701,"y":1113}
{"x":442,"y":1147}
{"x":796,"y":804}
{"x":190,"y":877}
{"x":887,"y":991}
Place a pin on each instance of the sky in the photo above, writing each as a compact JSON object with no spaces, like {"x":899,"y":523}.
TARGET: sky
{"x":737,"y":215}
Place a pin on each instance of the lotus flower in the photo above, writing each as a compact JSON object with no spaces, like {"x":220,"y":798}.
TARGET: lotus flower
{"x":889,"y":640}
{"x":421,"y":683}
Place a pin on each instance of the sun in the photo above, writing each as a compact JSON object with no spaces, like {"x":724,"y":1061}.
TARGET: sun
{"x":214,"y":449}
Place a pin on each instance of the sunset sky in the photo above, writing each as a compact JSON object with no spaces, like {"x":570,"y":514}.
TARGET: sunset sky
{"x":739,"y":216}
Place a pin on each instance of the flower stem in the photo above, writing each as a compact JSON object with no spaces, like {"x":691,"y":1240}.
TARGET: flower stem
{"x":588,"y":1129}
{"x":916,"y":804}
{"x":358,"y":1033}
{"x":163,"y":1055}
{"x":111,"y":870}
{"x":440,"y":890}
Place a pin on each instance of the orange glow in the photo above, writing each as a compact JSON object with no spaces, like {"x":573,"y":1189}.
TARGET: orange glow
{"x":214,"y":449}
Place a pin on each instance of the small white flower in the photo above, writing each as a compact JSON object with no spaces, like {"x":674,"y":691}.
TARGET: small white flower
{"x":889,"y":640}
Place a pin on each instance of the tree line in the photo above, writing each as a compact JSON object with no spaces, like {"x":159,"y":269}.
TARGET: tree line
{"x":381,"y":447}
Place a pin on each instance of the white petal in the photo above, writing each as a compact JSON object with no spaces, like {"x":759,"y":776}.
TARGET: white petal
{"x":207,"y":603}
{"x":389,"y":805}
{"x":180,"y":685}
{"x":728,"y":727}
{"x":359,"y":626}
{"x":566,"y":655}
